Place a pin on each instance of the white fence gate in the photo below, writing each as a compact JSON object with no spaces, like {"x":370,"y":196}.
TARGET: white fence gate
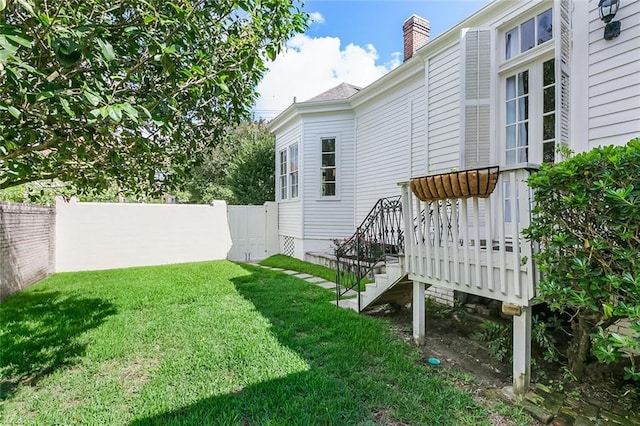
{"x":254,"y":231}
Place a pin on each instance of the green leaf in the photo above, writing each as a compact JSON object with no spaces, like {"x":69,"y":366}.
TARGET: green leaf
{"x":44,"y":19}
{"x":130,"y":111}
{"x":65,"y":106}
{"x":28,"y":6}
{"x":21,"y":39}
{"x":92,"y":98}
{"x":107,"y":50}
{"x":115,"y":114}
{"x":14,"y":111}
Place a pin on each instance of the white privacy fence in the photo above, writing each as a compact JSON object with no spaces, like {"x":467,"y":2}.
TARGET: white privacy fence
{"x":93,"y":236}
{"x":254,"y":231}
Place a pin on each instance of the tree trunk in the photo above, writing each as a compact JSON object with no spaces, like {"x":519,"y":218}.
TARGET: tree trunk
{"x":580,"y":346}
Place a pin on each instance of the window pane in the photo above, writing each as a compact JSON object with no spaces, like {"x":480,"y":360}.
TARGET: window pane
{"x":294,"y":185}
{"x":328,"y":145}
{"x":523,"y":156}
{"x":549,"y":72}
{"x":545,"y":26}
{"x":283,"y":187}
{"x":523,"y":83}
{"x":549,"y":127}
{"x":549,"y":152}
{"x":523,"y":136}
{"x":283,"y":162}
{"x":549,"y":99}
{"x":328,"y":175}
{"x":511,"y":157}
{"x":511,"y":41}
{"x":511,"y":112}
{"x":511,"y":88}
{"x":328,"y":189}
{"x":328,"y":160}
{"x":293,"y":154}
{"x":511,"y":137}
{"x":523,"y":108}
{"x":527,"y":35}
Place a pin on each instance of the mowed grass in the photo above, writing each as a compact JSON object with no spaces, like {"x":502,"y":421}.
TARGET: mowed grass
{"x":209,"y":343}
{"x":287,"y":262}
{"x":293,"y":264}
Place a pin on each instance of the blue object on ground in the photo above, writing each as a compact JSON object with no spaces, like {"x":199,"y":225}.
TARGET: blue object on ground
{"x":434,"y":361}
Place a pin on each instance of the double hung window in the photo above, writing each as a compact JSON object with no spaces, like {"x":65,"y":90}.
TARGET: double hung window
{"x":328,"y":167}
{"x":288,"y":172}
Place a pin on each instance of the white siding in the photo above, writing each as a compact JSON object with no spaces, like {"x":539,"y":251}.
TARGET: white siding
{"x":290,"y":211}
{"x":419,"y":136}
{"x":383,"y":148}
{"x":328,"y":217}
{"x":444,"y":111}
{"x":614,"y":77}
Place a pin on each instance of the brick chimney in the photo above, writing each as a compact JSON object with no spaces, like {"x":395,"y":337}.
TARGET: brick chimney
{"x":416,"y":34}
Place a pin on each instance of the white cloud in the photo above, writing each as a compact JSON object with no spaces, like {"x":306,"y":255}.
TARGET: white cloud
{"x":309,"y":66}
{"x":316,"y":18}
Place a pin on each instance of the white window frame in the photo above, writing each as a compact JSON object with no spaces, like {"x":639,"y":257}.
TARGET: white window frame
{"x":536,"y":107}
{"x":294,"y":173}
{"x":282,"y":165}
{"x":336,"y":166}
{"x":517,"y":23}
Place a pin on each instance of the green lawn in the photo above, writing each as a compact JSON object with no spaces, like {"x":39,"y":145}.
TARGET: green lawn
{"x":209,"y":343}
{"x":291,"y":263}
{"x":288,"y":262}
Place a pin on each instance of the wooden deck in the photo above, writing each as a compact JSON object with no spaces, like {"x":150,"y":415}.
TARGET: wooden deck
{"x":446,"y":243}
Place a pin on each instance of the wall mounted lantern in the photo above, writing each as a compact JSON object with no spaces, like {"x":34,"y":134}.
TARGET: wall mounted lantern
{"x":608,"y":9}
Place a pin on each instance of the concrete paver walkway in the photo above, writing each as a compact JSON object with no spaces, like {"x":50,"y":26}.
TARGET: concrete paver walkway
{"x":319,"y":281}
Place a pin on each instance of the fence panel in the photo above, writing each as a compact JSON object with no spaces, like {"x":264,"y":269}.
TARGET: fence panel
{"x":27,"y":245}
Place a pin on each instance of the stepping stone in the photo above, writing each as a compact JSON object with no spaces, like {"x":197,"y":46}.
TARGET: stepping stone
{"x":290,"y":272}
{"x":277,"y":269}
{"x":315,"y":280}
{"x":303,"y":276}
{"x":350,"y":293}
{"x":346,"y":304}
{"x":326,"y":284}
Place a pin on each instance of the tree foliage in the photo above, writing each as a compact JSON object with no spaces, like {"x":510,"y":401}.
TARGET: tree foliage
{"x":127,"y":91}
{"x":252,"y":177}
{"x":587,"y":220}
{"x":239,"y":169}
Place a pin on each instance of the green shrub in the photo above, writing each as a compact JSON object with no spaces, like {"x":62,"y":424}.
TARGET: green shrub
{"x":497,"y":338}
{"x":587,"y":221}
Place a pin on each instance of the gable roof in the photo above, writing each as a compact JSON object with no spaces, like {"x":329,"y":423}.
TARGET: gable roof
{"x":340,"y":92}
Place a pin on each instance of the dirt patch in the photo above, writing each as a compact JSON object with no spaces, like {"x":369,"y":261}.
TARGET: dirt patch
{"x":137,"y":372}
{"x":469,"y":363}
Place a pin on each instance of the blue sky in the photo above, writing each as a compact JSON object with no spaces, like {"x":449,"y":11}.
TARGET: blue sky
{"x":349,"y":41}
{"x":380,"y":22}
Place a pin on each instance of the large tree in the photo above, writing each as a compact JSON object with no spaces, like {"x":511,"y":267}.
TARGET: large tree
{"x":239,"y":169}
{"x":103,"y":91}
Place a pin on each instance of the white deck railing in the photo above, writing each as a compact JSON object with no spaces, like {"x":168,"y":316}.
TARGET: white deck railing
{"x":474,"y":245}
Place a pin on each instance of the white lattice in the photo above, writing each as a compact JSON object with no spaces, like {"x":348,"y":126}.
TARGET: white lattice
{"x":289,"y":245}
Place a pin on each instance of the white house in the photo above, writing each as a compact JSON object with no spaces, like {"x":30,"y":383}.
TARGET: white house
{"x":503,"y":88}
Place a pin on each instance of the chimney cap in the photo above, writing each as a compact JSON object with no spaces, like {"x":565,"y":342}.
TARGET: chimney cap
{"x":415,"y":17}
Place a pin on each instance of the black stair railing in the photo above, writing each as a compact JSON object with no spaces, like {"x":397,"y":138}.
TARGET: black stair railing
{"x":380,"y":235}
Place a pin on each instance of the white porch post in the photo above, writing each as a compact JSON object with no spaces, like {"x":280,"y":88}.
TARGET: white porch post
{"x":522,"y":350}
{"x":418,"y":313}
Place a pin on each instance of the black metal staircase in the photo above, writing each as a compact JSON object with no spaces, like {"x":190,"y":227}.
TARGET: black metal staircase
{"x":379,"y":239}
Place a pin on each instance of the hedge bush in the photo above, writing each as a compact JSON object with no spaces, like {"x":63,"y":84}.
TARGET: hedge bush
{"x":587,"y":221}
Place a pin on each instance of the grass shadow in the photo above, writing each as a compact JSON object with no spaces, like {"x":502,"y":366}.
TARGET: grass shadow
{"x":39,"y":333}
